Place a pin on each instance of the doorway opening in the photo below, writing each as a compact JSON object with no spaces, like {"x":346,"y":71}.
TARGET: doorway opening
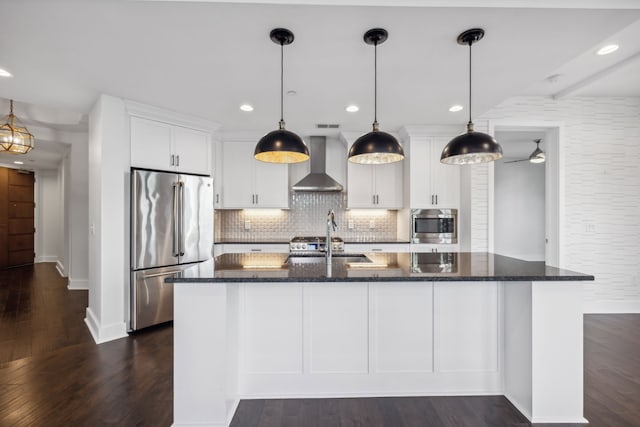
{"x":526,"y":196}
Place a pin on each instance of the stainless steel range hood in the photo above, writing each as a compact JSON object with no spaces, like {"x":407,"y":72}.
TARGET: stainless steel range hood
{"x":317,"y":180}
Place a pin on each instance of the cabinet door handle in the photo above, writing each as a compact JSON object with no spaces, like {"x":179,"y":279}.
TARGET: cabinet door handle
{"x":432,"y":199}
{"x":256,"y":250}
{"x":257,"y":200}
{"x":172,"y":160}
{"x":373,"y":197}
{"x":436,"y":199}
{"x":178,"y":160}
{"x":217,"y":198}
{"x":253,"y":199}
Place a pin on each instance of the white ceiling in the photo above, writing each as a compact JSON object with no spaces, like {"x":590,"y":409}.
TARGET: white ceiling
{"x":206,"y":58}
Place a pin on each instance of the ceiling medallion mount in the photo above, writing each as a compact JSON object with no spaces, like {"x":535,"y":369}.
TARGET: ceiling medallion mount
{"x":376,"y":36}
{"x":281,"y":36}
{"x":471,"y":36}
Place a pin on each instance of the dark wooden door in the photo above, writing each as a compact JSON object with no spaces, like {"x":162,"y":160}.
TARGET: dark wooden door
{"x":16,"y":218}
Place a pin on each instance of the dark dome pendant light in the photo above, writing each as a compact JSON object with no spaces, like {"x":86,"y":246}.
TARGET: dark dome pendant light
{"x":376,"y":147}
{"x":471,"y":147}
{"x":281,"y":145}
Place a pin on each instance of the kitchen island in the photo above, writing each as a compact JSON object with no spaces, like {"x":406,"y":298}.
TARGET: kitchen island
{"x":385,"y":324}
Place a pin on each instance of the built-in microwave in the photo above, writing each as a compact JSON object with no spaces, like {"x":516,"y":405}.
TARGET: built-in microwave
{"x":434,"y":226}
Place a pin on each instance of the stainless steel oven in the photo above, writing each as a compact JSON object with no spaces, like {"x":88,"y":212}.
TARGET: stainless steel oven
{"x":434,"y":226}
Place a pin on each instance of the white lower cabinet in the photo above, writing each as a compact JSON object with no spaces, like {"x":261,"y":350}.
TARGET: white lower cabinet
{"x":309,"y":339}
{"x":222,"y":248}
{"x":466,"y":326}
{"x":376,"y":247}
{"x":337,"y":328}
{"x":273,"y":328}
{"x":402,"y":327}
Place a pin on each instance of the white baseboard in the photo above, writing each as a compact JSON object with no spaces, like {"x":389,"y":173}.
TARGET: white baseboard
{"x":46,"y":258}
{"x":519,"y":406}
{"x":60,"y":268}
{"x":576,"y":420}
{"x":612,"y":307}
{"x":78,"y":284}
{"x":231,"y":410}
{"x":105,"y":333}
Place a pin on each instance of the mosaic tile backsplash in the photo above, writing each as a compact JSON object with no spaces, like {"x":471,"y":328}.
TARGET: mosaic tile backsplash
{"x":306,"y":217}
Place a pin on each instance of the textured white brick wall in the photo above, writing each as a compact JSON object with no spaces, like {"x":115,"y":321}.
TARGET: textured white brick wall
{"x":479,"y":200}
{"x":601,"y":145}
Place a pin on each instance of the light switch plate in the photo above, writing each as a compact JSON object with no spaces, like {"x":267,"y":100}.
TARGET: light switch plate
{"x":247,"y":224}
{"x":350,"y":224}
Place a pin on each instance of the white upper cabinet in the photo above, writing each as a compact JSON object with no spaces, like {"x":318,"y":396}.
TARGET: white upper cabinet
{"x":169,"y":141}
{"x":162,"y":146}
{"x":193,"y":150}
{"x":374,"y":186}
{"x":432,"y":184}
{"x":216,"y":149}
{"x":249,"y":183}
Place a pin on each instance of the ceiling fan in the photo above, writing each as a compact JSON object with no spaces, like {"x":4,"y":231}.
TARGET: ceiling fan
{"x":537,"y":156}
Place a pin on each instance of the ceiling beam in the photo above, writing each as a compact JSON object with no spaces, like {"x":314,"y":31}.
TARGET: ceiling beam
{"x":595,"y":77}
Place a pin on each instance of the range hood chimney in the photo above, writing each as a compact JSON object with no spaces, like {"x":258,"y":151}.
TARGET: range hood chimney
{"x":317,"y":180}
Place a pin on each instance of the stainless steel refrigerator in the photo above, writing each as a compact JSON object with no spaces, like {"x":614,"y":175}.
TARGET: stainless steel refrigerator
{"x":171,"y":229}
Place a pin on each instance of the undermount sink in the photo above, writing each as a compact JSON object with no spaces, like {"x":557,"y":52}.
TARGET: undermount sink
{"x":315,"y":258}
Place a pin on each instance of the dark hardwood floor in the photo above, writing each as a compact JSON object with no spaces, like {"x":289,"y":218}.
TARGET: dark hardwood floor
{"x":52,"y":374}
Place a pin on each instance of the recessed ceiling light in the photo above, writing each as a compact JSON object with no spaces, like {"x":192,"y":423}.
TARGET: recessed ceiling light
{"x":246,"y":107}
{"x":610,"y":48}
{"x":352,"y":108}
{"x":456,"y":108}
{"x":5,"y":73}
{"x":18,"y":162}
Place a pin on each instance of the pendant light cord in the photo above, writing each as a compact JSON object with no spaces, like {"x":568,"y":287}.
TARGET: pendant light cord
{"x":281,"y":85}
{"x":470,"y":122}
{"x":375,"y":85}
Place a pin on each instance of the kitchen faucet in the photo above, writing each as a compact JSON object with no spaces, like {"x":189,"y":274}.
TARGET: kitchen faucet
{"x":331,"y":224}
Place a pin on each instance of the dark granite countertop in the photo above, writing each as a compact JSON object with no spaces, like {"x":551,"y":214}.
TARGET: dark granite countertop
{"x":376,"y":242}
{"x":245,"y":242}
{"x":278,"y":242}
{"x":378,"y":266}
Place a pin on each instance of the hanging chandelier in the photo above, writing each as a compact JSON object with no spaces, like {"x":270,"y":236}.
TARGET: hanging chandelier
{"x":14,"y":136}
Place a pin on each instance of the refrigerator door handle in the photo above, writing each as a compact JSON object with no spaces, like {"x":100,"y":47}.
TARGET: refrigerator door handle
{"x":176,"y":222}
{"x":181,"y":218}
{"x":175,"y":273}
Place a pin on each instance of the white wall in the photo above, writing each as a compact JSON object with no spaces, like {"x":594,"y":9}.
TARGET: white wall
{"x":109,"y":162}
{"x":77,"y":214}
{"x":49,"y":227}
{"x":519,"y":210}
{"x":599,"y":154}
